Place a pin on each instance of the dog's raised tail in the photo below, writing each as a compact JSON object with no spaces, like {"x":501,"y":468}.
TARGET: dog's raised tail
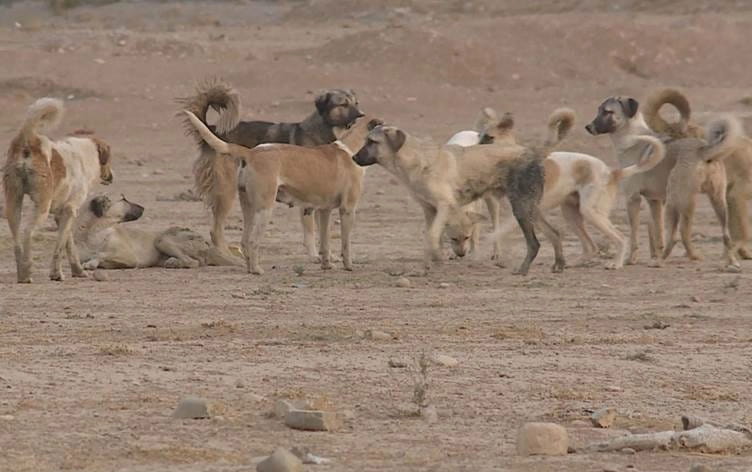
{"x":45,"y":113}
{"x":653,"y":155}
{"x":651,"y":111}
{"x":206,"y":135}
{"x":722,"y":135}
{"x":560,"y":122}
{"x":215,"y":94}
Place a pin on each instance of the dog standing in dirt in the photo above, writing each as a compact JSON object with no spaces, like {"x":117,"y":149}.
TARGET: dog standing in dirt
{"x":216,"y":178}
{"x":57,"y":176}
{"x":105,"y":243}
{"x":443,"y":184}
{"x":738,"y":164}
{"x":691,"y":166}
{"x":319,"y":177}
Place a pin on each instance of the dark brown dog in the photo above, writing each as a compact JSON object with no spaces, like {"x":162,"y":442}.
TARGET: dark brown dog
{"x":216,"y":178}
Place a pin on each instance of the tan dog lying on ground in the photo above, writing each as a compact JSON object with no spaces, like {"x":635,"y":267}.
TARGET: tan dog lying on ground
{"x":444,"y":182}
{"x":57,"y":176}
{"x":585,"y":189}
{"x":105,"y":243}
{"x":738,"y":164}
{"x":320,"y":177}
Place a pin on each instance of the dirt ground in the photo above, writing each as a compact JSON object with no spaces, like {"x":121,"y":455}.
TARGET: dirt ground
{"x":91,"y":371}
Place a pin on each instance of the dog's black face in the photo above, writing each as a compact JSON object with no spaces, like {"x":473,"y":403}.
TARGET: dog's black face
{"x":613,"y":114}
{"x":115,"y":212}
{"x":486,"y":139}
{"x":381,"y":147}
{"x":338,"y":108}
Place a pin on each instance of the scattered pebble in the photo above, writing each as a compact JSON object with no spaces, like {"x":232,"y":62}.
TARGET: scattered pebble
{"x":628,"y":450}
{"x":696,"y":299}
{"x":7,"y":417}
{"x":397,"y":364}
{"x":308,"y":457}
{"x":313,"y":420}
{"x":377,"y":335}
{"x":444,"y":285}
{"x":281,"y":460}
{"x":700,"y":468}
{"x":603,"y":418}
{"x":191,"y":407}
{"x":100,"y":275}
{"x":429,"y":414}
{"x":403,"y":282}
{"x":444,"y":360}
{"x":547,"y":439}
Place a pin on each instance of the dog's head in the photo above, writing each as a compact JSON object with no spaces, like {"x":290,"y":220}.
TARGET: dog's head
{"x":460,"y":228}
{"x":382,"y":147}
{"x":613,"y":114}
{"x":355,"y":137}
{"x":105,"y":161}
{"x":498,"y":130}
{"x":338,"y":108}
{"x":112,"y":212}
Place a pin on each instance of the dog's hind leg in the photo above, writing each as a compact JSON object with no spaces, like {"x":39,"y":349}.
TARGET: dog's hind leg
{"x":657,"y":238}
{"x":177,"y":257}
{"x":41,"y":212}
{"x":717,"y":196}
{"x":687,"y":213}
{"x":63,"y":234}
{"x":554,"y":236}
{"x":493,"y":205}
{"x":308,"y":218}
{"x":633,"y":215}
{"x":672,"y":225}
{"x":602,"y":222}
{"x":525,"y":213}
{"x":573,"y":217}
{"x":738,"y":221}
{"x":324,"y":251}
{"x":14,"y":203}
{"x":347,"y":218}
{"x":77,"y":269}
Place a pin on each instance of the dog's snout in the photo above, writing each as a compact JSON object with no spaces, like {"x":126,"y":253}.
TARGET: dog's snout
{"x":360,"y":114}
{"x":590,"y":128}
{"x":134,"y":212}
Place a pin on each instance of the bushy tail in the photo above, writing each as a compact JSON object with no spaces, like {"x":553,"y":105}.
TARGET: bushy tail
{"x":722,"y":136}
{"x":651,"y":111}
{"x":560,"y":122}
{"x":218,"y":95}
{"x":45,"y":113}
{"x":652,"y":156}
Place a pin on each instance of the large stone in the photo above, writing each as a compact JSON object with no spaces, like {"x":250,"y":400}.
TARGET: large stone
{"x":313,"y":420}
{"x":192,"y":408}
{"x":444,"y":360}
{"x":603,"y":418}
{"x":281,"y":460}
{"x":546,"y":439}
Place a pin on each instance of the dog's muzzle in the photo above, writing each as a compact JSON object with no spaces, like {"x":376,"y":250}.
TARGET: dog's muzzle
{"x":591,"y":128}
{"x":134,"y":212}
{"x":363,"y":160}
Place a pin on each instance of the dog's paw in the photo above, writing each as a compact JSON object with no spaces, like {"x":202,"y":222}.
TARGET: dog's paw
{"x":56,"y":276}
{"x":80,"y":275}
{"x":613,"y":266}
{"x":257,"y":270}
{"x":656,"y":263}
{"x":732,"y":269}
{"x":558,"y":267}
{"x":91,"y":264}
{"x":694,"y":256}
{"x":326,"y":265}
{"x":744,"y":253}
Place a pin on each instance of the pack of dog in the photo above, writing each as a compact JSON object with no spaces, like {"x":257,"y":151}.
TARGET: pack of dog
{"x":318,"y":165}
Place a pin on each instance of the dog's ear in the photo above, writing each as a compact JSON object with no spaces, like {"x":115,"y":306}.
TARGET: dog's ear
{"x":374,"y":123}
{"x":476,"y":217}
{"x":353,"y":95}
{"x":396,"y":138}
{"x":103,"y":149}
{"x":100,"y":205}
{"x":506,"y":122}
{"x":630,"y":106}
{"x":489,"y":112}
{"x":322,"y":102}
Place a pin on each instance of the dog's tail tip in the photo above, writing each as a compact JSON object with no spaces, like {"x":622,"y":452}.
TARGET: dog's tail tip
{"x":722,"y":135}
{"x":45,"y":113}
{"x":560,"y":123}
{"x":653,"y":155}
{"x":217,"y":94}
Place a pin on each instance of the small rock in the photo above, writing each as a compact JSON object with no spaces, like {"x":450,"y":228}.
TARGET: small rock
{"x":580,"y":424}
{"x":283,"y":407}
{"x":191,"y":407}
{"x":313,"y":420}
{"x":603,"y":418}
{"x":444,"y":285}
{"x":613,"y":389}
{"x":7,"y":417}
{"x":444,"y":360}
{"x":281,"y":460}
{"x":100,"y":275}
{"x":429,"y":414}
{"x":610,"y":468}
{"x":700,"y":468}
{"x":239,"y":384}
{"x":696,"y":299}
{"x":403,"y":282}
{"x":99,"y":61}
{"x":308,"y":457}
{"x":548,"y":439}
{"x":397,"y":364}
{"x":629,"y":450}
{"x":377,"y":335}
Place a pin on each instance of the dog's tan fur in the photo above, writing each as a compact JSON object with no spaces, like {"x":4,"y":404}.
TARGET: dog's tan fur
{"x":738,"y":164}
{"x":57,"y":176}
{"x":444,"y":182}
{"x":105,"y":243}
{"x":691,"y":165}
{"x":320,"y":177}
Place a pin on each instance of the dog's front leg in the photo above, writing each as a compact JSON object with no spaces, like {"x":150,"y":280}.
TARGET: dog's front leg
{"x":308,"y":218}
{"x":14,"y":202}
{"x":633,"y":215}
{"x":77,"y":270}
{"x":433,"y":235}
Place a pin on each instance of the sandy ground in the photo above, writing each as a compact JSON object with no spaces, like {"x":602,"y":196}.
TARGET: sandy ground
{"x":91,"y":371}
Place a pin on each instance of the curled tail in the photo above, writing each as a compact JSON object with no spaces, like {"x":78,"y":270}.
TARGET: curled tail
{"x":722,"y":137}
{"x":652,"y":107}
{"x":216,"y":94}
{"x":45,"y":113}
{"x":560,"y":122}
{"x":205,"y":135}
{"x":653,"y":155}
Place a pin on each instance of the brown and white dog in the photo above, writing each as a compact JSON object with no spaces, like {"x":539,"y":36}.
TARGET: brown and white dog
{"x":691,"y":166}
{"x":216,"y":178}
{"x":57,"y":176}
{"x":319,"y":177}
{"x":104,"y":242}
